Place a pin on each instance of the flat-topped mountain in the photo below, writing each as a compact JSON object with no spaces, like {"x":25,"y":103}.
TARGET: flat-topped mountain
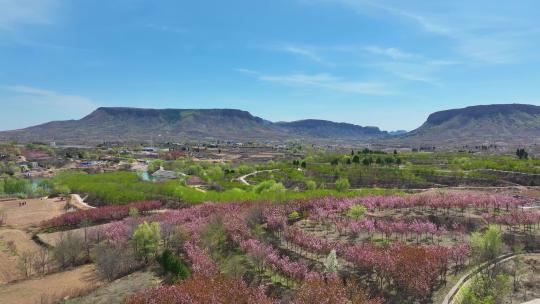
{"x":134,"y":124}
{"x":483,"y":123}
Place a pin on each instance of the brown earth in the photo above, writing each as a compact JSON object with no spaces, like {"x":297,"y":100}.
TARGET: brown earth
{"x":13,"y":243}
{"x":51,"y":288}
{"x":33,"y":213}
{"x":117,"y":291}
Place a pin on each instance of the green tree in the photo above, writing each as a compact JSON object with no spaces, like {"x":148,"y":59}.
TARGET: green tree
{"x":522,"y":154}
{"x":486,"y":288}
{"x":146,"y":238}
{"x":342,"y":185}
{"x":214,"y":238}
{"x":155,"y":165}
{"x":133,"y":212}
{"x":173,"y":264}
{"x":234,"y":267}
{"x":215,"y":173}
{"x":367,"y":161}
{"x":311,"y":185}
{"x":293,"y":216}
{"x":356,"y":212}
{"x":61,"y":190}
{"x":487,"y":245}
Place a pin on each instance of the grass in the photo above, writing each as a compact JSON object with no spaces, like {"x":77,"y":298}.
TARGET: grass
{"x":124,"y":187}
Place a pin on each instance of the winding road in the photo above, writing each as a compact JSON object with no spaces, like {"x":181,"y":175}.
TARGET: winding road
{"x":242,"y":178}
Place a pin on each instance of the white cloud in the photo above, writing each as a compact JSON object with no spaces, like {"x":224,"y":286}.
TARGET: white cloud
{"x":46,"y":98}
{"x":393,"y":53}
{"x":480,"y":34}
{"x":14,"y":13}
{"x":323,"y":81}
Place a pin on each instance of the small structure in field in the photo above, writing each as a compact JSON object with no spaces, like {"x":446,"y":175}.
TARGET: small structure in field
{"x":194,"y":181}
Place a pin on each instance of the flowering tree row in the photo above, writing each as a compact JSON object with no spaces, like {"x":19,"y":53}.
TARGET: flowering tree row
{"x":517,"y":218}
{"x":99,"y":215}
{"x":389,"y":228}
{"x":264,"y":255}
{"x":318,"y":245}
{"x":416,"y":268}
{"x":203,"y":289}
{"x":329,"y":207}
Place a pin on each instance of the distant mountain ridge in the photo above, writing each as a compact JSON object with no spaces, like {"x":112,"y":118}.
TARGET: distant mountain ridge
{"x":135,"y":124}
{"x":328,"y":129}
{"x":482,"y":123}
{"x":512,"y":123}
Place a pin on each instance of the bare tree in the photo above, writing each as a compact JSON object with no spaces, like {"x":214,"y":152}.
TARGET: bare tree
{"x":3,"y":218}
{"x":26,"y":262}
{"x":41,"y":262}
{"x":85,"y":224}
{"x":69,"y":250}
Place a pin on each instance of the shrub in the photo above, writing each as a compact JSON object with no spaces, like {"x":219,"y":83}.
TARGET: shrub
{"x":486,"y":288}
{"x":173,"y":264}
{"x":311,"y":185}
{"x":16,"y":186}
{"x":264,"y":186}
{"x":113,"y":262}
{"x":69,"y":250}
{"x":342,"y":185}
{"x":293,"y":216}
{"x":356,"y":212}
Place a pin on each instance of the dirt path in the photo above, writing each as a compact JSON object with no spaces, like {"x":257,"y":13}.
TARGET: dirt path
{"x":51,"y":288}
{"x":76,"y":201}
{"x":242,"y":178}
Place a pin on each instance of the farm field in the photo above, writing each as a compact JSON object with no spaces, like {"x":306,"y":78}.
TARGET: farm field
{"x":32,"y":213}
{"x":366,"y":227}
{"x":50,"y":288}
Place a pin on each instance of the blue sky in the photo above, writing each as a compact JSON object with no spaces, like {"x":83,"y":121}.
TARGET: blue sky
{"x":382,"y":63}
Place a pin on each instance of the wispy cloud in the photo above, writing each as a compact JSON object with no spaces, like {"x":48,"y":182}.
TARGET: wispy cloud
{"x":485,"y":38}
{"x":323,"y":81}
{"x":393,"y":53}
{"x":47,"y":98}
{"x":301,"y":51}
{"x":15,"y":13}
